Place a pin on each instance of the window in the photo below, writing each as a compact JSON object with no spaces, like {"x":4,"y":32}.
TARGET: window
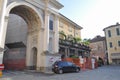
{"x":69,"y":28}
{"x":111,"y":45}
{"x":117,"y":31}
{"x":62,"y":64}
{"x":76,"y":33}
{"x":50,"y":24}
{"x":50,"y":44}
{"x":61,"y":24}
{"x":118,"y":43}
{"x":70,"y":64}
{"x":109,"y":33}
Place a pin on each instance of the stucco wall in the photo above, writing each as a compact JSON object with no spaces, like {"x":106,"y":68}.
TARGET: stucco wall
{"x":114,"y":39}
{"x":68,"y":28}
{"x":16,"y":30}
{"x":18,"y":61}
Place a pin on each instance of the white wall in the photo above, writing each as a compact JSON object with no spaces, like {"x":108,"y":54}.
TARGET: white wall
{"x":16,"y":30}
{"x":51,"y":59}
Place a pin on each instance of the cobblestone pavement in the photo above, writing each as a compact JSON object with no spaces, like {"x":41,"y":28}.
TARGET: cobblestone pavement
{"x":102,"y":73}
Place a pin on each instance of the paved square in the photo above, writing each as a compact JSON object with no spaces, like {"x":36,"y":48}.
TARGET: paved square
{"x":102,"y":73}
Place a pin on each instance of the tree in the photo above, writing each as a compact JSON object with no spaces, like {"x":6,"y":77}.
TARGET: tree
{"x":86,"y":41}
{"x":70,"y":37}
{"x":62,"y":35}
{"x":77,"y":40}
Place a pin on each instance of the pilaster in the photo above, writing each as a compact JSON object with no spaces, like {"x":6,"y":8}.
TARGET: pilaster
{"x":28,"y":52}
{"x":46,"y":31}
{"x":56,"y":35}
{"x":40,"y":57}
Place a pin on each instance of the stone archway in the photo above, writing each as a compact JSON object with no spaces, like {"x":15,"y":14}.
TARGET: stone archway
{"x":34,"y":23}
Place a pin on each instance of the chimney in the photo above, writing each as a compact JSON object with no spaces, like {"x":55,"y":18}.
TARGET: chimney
{"x":117,"y":23}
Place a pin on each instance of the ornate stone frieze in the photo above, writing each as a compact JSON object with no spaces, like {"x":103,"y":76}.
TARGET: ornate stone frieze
{"x":34,"y":39}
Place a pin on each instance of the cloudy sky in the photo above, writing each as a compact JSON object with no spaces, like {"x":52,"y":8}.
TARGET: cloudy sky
{"x":92,"y":15}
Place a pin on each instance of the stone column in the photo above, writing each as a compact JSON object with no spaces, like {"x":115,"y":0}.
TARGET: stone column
{"x":45,"y":38}
{"x":46,"y":31}
{"x":40,"y":57}
{"x":56,"y":35}
{"x":3,"y":27}
{"x":109,"y":58}
{"x":28,"y":52}
{"x":3,"y":36}
{"x":46,"y":27}
{"x":3,"y":22}
{"x":1,"y":7}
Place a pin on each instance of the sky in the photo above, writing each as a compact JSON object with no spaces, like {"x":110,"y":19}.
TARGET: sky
{"x":92,"y":15}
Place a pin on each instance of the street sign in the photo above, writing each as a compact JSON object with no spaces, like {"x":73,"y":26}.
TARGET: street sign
{"x":1,"y":66}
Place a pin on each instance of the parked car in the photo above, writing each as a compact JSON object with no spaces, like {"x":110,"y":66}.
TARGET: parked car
{"x":64,"y":66}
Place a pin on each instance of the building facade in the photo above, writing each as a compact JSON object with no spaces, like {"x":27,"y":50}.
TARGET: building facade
{"x":69,"y":27}
{"x":29,"y":33}
{"x":69,"y":39}
{"x":112,"y":34}
{"x":98,"y":48}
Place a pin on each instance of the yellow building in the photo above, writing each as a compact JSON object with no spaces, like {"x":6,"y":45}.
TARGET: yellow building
{"x":112,"y":34}
{"x":67,"y":44}
{"x":69,"y":27}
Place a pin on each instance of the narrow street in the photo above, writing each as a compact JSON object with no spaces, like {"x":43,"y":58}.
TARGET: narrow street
{"x":102,"y":73}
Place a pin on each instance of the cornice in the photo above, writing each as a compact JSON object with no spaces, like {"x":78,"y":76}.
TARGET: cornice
{"x":70,"y":21}
{"x":56,"y":4}
{"x":111,"y":26}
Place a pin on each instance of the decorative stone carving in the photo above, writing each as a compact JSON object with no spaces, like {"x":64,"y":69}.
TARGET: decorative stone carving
{"x":34,"y":39}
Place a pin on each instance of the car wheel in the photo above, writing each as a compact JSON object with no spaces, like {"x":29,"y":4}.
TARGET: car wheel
{"x":77,"y":70}
{"x":60,"y":71}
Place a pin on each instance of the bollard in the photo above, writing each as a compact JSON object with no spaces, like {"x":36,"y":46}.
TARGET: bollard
{"x":0,"y":73}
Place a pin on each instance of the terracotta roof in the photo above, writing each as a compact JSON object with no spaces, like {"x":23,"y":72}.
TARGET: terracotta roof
{"x":97,"y":38}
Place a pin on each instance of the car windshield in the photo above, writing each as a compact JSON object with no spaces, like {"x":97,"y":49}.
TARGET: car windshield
{"x":70,"y":64}
{"x":65,"y":64}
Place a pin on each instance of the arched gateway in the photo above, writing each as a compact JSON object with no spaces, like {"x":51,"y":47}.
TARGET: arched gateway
{"x":26,"y":28}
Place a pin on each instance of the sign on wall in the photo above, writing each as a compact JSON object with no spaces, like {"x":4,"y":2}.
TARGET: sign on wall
{"x":51,"y":59}
{"x":1,"y":67}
